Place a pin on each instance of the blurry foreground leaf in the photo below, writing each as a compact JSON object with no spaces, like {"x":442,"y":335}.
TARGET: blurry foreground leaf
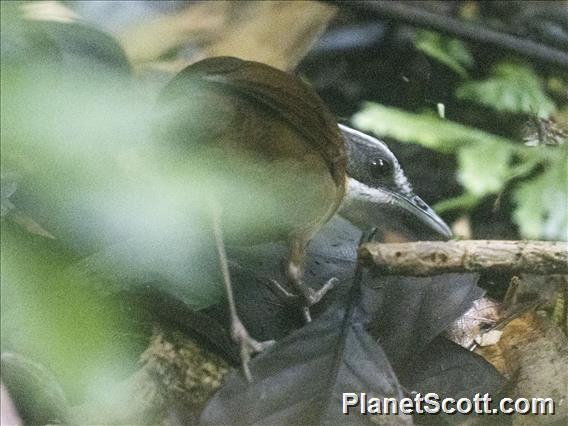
{"x":183,"y":264}
{"x":62,"y":115}
{"x":48,"y":11}
{"x":8,"y":186}
{"x":37,"y":394}
{"x":511,"y":88}
{"x":57,"y":321}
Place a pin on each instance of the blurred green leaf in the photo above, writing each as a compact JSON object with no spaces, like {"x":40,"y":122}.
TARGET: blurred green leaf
{"x":425,"y":129}
{"x":59,"y":321}
{"x":183,"y":264}
{"x":449,"y":51}
{"x":465,"y":201}
{"x":511,"y":88}
{"x":31,"y":381}
{"x":541,"y":202}
{"x":77,"y":130}
{"x":484,"y":168}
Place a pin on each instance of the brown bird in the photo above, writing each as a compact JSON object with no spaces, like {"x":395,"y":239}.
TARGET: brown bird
{"x":270,"y":156}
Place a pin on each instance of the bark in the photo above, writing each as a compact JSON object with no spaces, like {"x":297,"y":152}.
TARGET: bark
{"x":433,"y":258}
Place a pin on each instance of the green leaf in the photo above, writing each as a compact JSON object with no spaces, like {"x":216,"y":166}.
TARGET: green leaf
{"x":448,"y":51}
{"x":484,"y":168}
{"x":60,"y":321}
{"x":511,"y":88}
{"x":183,"y":264}
{"x":425,"y":129}
{"x":463,"y":202}
{"x":541,"y":203}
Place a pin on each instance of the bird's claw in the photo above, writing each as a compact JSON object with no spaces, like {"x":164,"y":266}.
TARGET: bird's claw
{"x":308,"y":296}
{"x":312,"y":296}
{"x":283,"y":294}
{"x":248,"y":346}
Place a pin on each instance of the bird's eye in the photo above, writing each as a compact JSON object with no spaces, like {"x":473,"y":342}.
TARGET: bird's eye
{"x":379,"y":168}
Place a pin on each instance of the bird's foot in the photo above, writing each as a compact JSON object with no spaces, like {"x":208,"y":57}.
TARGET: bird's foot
{"x":307,"y":297}
{"x":311,"y":297}
{"x":248,"y":346}
{"x":282,"y":293}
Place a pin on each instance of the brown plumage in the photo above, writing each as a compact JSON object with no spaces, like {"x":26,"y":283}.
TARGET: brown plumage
{"x":272,"y":143}
{"x":281,"y":92}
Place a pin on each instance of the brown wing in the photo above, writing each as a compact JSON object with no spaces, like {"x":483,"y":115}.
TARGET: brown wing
{"x":283,"y":93}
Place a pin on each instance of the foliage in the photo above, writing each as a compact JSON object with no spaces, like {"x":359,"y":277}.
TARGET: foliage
{"x":79,"y":164}
{"x":511,"y":88}
{"x":487,"y":163}
{"x":427,"y":129}
{"x":448,"y":51}
{"x":99,"y":224}
{"x":492,"y":176}
{"x":342,"y":355}
{"x":541,"y":203}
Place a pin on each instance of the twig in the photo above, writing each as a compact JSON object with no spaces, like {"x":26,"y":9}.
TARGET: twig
{"x":432,"y":258}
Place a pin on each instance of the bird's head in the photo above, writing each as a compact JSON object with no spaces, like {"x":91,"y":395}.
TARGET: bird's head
{"x":379,"y":194}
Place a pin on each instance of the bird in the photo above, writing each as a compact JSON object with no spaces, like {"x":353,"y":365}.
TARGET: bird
{"x":266,"y":159}
{"x":379,"y":194}
{"x":274,"y":164}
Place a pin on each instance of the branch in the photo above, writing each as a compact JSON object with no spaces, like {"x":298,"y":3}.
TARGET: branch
{"x":467,"y":31}
{"x":433,"y":258}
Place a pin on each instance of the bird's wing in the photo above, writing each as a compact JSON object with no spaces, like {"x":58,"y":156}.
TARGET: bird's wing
{"x":289,"y":97}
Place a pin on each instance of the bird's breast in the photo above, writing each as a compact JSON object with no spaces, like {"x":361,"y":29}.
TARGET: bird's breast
{"x":277,"y":183}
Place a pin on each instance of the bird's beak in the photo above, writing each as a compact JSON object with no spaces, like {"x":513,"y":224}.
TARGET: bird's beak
{"x":392,"y":211}
{"x":421,"y":213}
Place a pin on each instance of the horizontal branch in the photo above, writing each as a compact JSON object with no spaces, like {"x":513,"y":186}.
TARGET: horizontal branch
{"x":467,"y":31}
{"x":433,"y":258}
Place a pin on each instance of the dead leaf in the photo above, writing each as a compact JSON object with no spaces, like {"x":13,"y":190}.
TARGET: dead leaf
{"x":533,"y":353}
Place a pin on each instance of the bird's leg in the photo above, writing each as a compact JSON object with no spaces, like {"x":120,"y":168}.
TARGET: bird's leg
{"x":239,"y":333}
{"x":295,"y":272}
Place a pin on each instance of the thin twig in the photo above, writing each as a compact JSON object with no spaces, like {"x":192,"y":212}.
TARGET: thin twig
{"x":464,"y":30}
